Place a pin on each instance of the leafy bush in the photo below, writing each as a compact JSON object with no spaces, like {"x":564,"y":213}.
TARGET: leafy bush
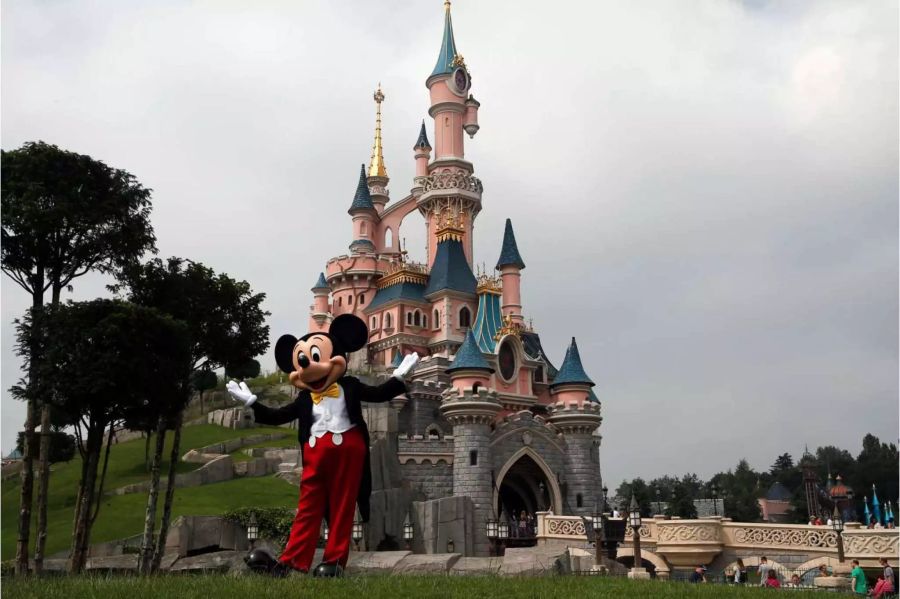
{"x":274,"y":522}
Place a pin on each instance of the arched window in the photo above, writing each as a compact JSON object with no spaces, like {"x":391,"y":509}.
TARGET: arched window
{"x":340,"y":302}
{"x":362,"y":228}
{"x":465,"y":318}
{"x":417,"y":318}
{"x":579,"y":501}
{"x":388,"y":238}
{"x":388,"y":320}
{"x":473,"y":457}
{"x":424,"y":322}
{"x":433,"y":432}
{"x":374,"y":323}
{"x":349,"y":300}
{"x":409,"y":318}
{"x":362,"y":298}
{"x":436,"y":323}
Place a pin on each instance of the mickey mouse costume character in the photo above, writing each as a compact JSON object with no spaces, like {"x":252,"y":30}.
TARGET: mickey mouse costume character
{"x":333,"y":437}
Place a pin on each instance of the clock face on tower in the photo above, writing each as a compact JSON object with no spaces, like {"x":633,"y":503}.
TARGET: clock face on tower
{"x":461,"y":80}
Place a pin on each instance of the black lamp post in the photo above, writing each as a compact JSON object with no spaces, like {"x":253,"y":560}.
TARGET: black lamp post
{"x":408,"y":532}
{"x":597,"y":521}
{"x":634,"y":520}
{"x":491,"y":530}
{"x":252,"y":530}
{"x":658,"y":510}
{"x":837,"y":524}
{"x":605,"y":507}
{"x":715,"y":496}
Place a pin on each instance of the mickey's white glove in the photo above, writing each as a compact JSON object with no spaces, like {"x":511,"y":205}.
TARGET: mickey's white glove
{"x":241,"y":392}
{"x":405,"y":366}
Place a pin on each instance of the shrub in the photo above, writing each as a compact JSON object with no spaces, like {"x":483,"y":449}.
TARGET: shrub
{"x":274,"y":522}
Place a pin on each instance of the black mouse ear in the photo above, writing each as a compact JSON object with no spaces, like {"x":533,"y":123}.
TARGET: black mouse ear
{"x":348,"y":333}
{"x":283,"y":350}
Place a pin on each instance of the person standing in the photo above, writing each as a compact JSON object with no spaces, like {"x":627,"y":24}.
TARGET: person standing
{"x":857,"y":579}
{"x":763,"y":570}
{"x":740,"y":573}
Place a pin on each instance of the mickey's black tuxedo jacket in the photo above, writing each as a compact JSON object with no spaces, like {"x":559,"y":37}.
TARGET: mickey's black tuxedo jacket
{"x":355,"y":392}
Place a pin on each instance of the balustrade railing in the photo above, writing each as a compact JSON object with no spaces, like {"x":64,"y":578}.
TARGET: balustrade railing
{"x":452,"y":181}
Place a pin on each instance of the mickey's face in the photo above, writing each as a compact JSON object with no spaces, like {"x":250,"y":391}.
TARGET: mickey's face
{"x":317,"y":360}
{"x":315,"y":366}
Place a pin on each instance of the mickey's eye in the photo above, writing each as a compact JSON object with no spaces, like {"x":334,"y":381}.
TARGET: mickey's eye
{"x":315,"y":354}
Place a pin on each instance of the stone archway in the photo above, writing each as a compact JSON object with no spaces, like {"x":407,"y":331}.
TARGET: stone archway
{"x":655,"y":564}
{"x":518,"y":484}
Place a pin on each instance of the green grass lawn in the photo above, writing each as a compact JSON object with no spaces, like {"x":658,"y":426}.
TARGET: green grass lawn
{"x":123,"y":515}
{"x":390,"y":587}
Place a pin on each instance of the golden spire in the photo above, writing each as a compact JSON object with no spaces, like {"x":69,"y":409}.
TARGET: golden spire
{"x":446,"y":4}
{"x":376,"y":166}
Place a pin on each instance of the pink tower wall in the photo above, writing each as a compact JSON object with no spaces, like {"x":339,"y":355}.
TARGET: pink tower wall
{"x":512,"y":295}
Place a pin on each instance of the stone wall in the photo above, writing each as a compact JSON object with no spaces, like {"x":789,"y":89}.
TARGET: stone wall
{"x":433,"y":480}
{"x":582,"y":474}
{"x":439,"y":520}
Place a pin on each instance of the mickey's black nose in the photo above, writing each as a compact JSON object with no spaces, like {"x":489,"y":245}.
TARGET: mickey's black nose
{"x":303,"y":361}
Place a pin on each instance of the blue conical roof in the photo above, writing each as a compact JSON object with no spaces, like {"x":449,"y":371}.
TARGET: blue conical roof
{"x":469,"y":356}
{"x":321,"y":283}
{"x":572,"y":372}
{"x":397,"y":359}
{"x":509,"y":252}
{"x":448,"y":47}
{"x":422,"y":142}
{"x":362,"y":199}
{"x":450,"y":270}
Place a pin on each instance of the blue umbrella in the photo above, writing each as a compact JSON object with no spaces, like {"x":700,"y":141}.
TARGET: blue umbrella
{"x":866,"y":514}
{"x":876,"y":507}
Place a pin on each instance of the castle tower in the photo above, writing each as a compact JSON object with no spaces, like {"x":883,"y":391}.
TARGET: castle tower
{"x":449,"y":183}
{"x":422,"y":154}
{"x":378,"y":177}
{"x":319,"y":318}
{"x":364,"y":216}
{"x":510,"y":266}
{"x":472,"y":413}
{"x":577,"y":416}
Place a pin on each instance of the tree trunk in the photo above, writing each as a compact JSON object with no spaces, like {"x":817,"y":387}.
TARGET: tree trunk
{"x":170,"y":495}
{"x":44,"y":468}
{"x":43,"y":490}
{"x":99,"y":501}
{"x":147,"y":451}
{"x":146,"y":556}
{"x":25,"y":497}
{"x":81,"y":538}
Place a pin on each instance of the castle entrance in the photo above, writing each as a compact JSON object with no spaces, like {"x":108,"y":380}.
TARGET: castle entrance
{"x":523,"y":490}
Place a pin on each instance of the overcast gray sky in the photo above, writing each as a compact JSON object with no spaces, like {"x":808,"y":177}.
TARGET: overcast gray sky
{"x":704,"y":193}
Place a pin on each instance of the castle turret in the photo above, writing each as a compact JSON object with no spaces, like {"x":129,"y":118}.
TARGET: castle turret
{"x":577,"y":416}
{"x":449,"y":183}
{"x":319,"y":317}
{"x":472,"y":413}
{"x":422,"y":155}
{"x":469,"y":369}
{"x":378,"y":177}
{"x":364,"y":216}
{"x":510,"y":266}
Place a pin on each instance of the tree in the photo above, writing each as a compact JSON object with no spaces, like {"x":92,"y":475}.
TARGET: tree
{"x":683,"y":495}
{"x":740,"y":491}
{"x":877,"y":465}
{"x":204,"y":380}
{"x":64,"y":215}
{"x":62,"y":446}
{"x":246,"y":370}
{"x":641,"y":492}
{"x":226,"y":325}
{"x":98,"y":361}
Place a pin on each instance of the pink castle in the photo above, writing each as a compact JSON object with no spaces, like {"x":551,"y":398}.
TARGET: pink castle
{"x":487,"y":417}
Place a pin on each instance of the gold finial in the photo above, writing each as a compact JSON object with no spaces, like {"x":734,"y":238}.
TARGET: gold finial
{"x":376,"y":166}
{"x":447,"y":5}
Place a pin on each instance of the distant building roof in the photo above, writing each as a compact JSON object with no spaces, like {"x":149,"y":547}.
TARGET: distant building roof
{"x":450,"y":269}
{"x":509,"y":251}
{"x":532,"y":343}
{"x":407,"y":291}
{"x":571,"y":371}
{"x":778,"y":492}
{"x":469,"y":356}
{"x":422,"y":142}
{"x":362,"y":199}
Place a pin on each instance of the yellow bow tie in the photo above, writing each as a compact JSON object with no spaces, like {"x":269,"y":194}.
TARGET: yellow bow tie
{"x":332,"y":391}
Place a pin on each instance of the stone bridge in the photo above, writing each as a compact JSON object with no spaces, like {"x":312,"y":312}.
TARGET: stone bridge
{"x":668,"y":544}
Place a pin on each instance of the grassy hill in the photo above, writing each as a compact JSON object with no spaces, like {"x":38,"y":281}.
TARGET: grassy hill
{"x":123,"y":515}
